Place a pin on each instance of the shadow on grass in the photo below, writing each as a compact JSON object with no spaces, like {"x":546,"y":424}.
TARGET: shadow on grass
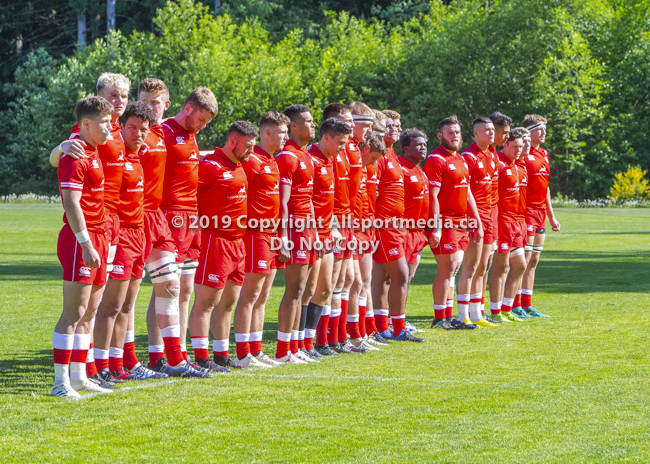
{"x":26,"y":373}
{"x":31,"y":271}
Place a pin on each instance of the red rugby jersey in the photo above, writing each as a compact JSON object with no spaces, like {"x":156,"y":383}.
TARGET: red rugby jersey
{"x":221,"y":194}
{"x":390,"y":196}
{"x":112,"y":156}
{"x":324,"y":189}
{"x":508,"y":190}
{"x":263,"y":186}
{"x":539,"y":168}
{"x":341,"y":185}
{"x":416,"y":192}
{"x":372,"y":182}
{"x":356,"y":167}
{"x":87,"y":176}
{"x":448,"y":171}
{"x":523,"y":183}
{"x":132,"y":193}
{"x":494,"y":168}
{"x":479,"y":165}
{"x":181,"y":168}
{"x":296,"y":169}
{"x":153,"y":156}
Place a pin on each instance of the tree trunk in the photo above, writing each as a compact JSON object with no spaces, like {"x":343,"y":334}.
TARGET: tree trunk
{"x":81,"y":30}
{"x":110,"y":15}
{"x":217,"y":6}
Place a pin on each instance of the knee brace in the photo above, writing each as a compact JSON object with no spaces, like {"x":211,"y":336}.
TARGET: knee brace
{"x":517,"y":252}
{"x":538,"y":248}
{"x":528,"y":248}
{"x":188,"y":267}
{"x":163,"y":270}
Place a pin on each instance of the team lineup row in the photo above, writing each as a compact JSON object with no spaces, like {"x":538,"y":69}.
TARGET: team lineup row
{"x":135,"y":191}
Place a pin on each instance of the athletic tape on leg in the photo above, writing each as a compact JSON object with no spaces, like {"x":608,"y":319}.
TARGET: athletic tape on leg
{"x":517,"y":252}
{"x":166,"y":306}
{"x":538,"y":248}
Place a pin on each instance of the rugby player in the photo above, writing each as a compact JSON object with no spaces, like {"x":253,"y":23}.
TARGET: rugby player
{"x":221,"y":194}
{"x":179,"y":204}
{"x":452,"y":204}
{"x":296,"y":233}
{"x":114,"y":88}
{"x":538,"y":206}
{"x":481,"y":167}
{"x":510,"y":242}
{"x":333,"y":135}
{"x":82,"y":247}
{"x":263,"y":203}
{"x":390,"y":273}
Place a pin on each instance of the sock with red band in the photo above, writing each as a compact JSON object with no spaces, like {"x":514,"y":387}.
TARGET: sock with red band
{"x":343,"y":333}
{"x":399,"y":324}
{"x":61,"y":352}
{"x":171,"y":338}
{"x":381,"y":320}
{"x":220,"y":347}
{"x":506,"y":306}
{"x":283,"y":344}
{"x":255,"y":342}
{"x":323,"y":326}
{"x":130,"y":357}
{"x":526,"y":298}
{"x":200,"y":347}
{"x":362,"y":316}
{"x":242,"y":344}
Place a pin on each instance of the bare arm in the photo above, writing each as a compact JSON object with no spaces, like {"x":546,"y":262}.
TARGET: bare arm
{"x":555,"y":225}
{"x":72,"y":148}
{"x":434,"y":211}
{"x":474,"y":211}
{"x":75,"y":216}
{"x":285,"y":194}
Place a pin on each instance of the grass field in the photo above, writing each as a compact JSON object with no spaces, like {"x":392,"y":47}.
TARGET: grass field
{"x":572,"y":388}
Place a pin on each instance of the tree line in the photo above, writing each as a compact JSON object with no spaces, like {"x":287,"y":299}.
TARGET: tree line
{"x":584,"y":65}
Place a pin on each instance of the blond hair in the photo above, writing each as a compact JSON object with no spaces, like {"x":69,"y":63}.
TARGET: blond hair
{"x":113,"y":80}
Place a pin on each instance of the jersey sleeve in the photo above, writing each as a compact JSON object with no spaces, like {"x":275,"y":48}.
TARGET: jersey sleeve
{"x":74,"y":133}
{"x":252,"y":167}
{"x":434,"y":170}
{"x":471,"y":160}
{"x":287,"y":165}
{"x":71,"y":173}
{"x":207,"y":173}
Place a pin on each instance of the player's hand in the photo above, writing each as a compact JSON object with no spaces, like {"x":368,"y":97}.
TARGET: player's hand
{"x":90,"y":256}
{"x":336,"y":234}
{"x":555,"y":225}
{"x":74,"y":149}
{"x":284,"y":254}
{"x":478,"y":234}
{"x":434,"y":240}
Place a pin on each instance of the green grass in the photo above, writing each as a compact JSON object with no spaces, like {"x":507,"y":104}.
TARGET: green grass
{"x":572,"y":388}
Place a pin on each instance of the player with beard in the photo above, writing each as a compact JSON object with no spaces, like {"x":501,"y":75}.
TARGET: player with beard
{"x":538,"y":207}
{"x":263,"y":203}
{"x":481,"y":166}
{"x":296,"y":192}
{"x":221,"y":194}
{"x":82,"y":247}
{"x":334,"y":135}
{"x":510,"y":251}
{"x":451,"y":204}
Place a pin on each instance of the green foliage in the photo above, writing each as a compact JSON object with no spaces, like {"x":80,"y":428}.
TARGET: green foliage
{"x":583,"y":65}
{"x":630,"y":186}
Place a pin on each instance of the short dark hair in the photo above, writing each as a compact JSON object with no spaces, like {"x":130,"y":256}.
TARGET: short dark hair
{"x":202,"y":98}
{"x":500,"y":119}
{"x":408,"y":135}
{"x":138,"y":110}
{"x":293,"y":112}
{"x":453,"y":119}
{"x":92,"y":107}
{"x":333,"y":110}
{"x":334,"y":127}
{"x":375,"y":142}
{"x":515,"y":134}
{"x":243,"y":128}
{"x":273,"y":118}
{"x":481,"y":120}
{"x":154,"y":87}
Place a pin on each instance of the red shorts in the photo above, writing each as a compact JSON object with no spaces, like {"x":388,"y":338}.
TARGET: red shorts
{"x":510,"y":236}
{"x":220,"y":260}
{"x":489,"y":234}
{"x":364,"y":244}
{"x":129,"y":257}
{"x":523,"y":231}
{"x":259,"y":255}
{"x":414,"y":244}
{"x":451,"y":241}
{"x":277,"y":264}
{"x":344,"y":252}
{"x":186,"y":238}
{"x":303,"y":251}
{"x":535,"y":220}
{"x":112,"y":227}
{"x":391,"y":245}
{"x":70,"y":255}
{"x":157,"y":234}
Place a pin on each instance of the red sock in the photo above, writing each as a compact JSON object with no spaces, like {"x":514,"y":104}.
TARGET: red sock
{"x":309,"y":343}
{"x":158,"y":353}
{"x":381,"y":320}
{"x":301,"y":343}
{"x":130,"y":358}
{"x":526,"y":298}
{"x":370,"y":323}
{"x":483,"y":304}
{"x":517,"y":303}
{"x":352,"y":327}
{"x":200,"y":347}
{"x":323,"y":325}
{"x":449,"y":310}
{"x":91,"y":369}
{"x":101,"y":364}
{"x":115,"y":364}
{"x":220,"y":347}
{"x":439,"y":311}
{"x":343,"y":333}
{"x":293,"y":344}
{"x":399,"y":324}
{"x":506,"y":305}
{"x":282,"y":349}
{"x":362,"y":317}
{"x":242,"y":344}
{"x":333,"y":329}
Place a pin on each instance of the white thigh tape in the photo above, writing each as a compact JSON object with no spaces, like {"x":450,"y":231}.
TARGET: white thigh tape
{"x":517,"y":252}
{"x":166,"y":306}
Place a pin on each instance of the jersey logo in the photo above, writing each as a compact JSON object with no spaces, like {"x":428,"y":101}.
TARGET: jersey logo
{"x":492,"y":164}
{"x":323,"y":170}
{"x":448,"y":246}
{"x":414,"y":178}
{"x":227,"y":175}
{"x":311,"y":182}
{"x":85,"y":271}
{"x":121,"y":157}
{"x":531,"y":157}
{"x":393,"y":252}
{"x":141,"y":183}
{"x":452,"y":167}
{"x":267,"y":169}
{"x":194,"y":156}
{"x":424,"y":191}
{"x":463,"y":181}
{"x":505,"y":246}
{"x":508,"y":172}
{"x":95,"y":164}
{"x":213,"y":278}
{"x":480,"y":164}
{"x":262,"y":264}
{"x":543,"y":169}
{"x":332,"y":186}
{"x":390,"y":165}
{"x":118,"y":269}
{"x":300,"y":254}
{"x":303,"y":165}
{"x":277,"y":186}
{"x":180,"y":140}
{"x":160,"y":143}
{"x":242,"y":191}
{"x":128,"y":166}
